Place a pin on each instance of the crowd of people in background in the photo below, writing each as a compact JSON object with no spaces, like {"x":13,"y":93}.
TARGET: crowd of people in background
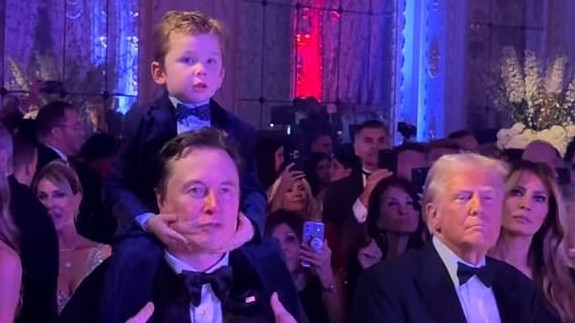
{"x":194,"y":216}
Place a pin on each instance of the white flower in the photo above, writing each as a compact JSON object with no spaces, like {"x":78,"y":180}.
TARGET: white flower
{"x":554,"y":80}
{"x":570,"y":94}
{"x":533,"y":81}
{"x":512,"y":76}
{"x":517,"y":137}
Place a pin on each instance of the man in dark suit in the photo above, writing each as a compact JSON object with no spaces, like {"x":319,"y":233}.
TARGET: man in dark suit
{"x":345,"y":201}
{"x":196,"y":282}
{"x":60,"y":133}
{"x":38,"y":246}
{"x":451,"y":279}
{"x":191,"y":71}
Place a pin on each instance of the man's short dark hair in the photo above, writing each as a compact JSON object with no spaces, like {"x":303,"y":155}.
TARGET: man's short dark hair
{"x":50,"y":116}
{"x":370,"y":124}
{"x":182,"y":145}
{"x":411,"y":146}
{"x":443,"y":144}
{"x":25,"y":152}
{"x":460,"y":134}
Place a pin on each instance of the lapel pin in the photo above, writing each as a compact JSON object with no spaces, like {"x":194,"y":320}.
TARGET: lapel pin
{"x":250,"y":299}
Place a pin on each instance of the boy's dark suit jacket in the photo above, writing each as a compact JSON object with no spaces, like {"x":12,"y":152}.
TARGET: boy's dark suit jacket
{"x":129,"y":191}
{"x":93,"y":221}
{"x":257,"y":272}
{"x":38,"y":254}
{"x":416,"y":287}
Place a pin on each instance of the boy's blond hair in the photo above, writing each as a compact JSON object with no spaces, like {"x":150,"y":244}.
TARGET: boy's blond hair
{"x":185,"y":23}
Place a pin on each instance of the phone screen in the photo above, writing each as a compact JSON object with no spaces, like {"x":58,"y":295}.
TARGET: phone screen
{"x":313,"y":236}
{"x":387,"y":159}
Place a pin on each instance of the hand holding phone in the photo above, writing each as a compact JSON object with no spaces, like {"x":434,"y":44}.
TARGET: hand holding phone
{"x":387,"y":159}
{"x":312,"y":237}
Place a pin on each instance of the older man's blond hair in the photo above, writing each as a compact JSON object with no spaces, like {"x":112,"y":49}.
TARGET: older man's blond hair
{"x":450,"y":166}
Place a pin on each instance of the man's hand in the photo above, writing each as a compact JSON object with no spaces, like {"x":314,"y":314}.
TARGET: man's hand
{"x":280,"y":313}
{"x":369,"y":255}
{"x":371,"y":183}
{"x":160,"y":226}
{"x":143,"y":315}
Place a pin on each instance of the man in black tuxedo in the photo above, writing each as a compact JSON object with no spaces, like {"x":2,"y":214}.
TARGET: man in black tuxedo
{"x":38,"y":245}
{"x":197,"y":282}
{"x":451,"y":279}
{"x":60,"y":133}
{"x":345,"y":202}
{"x":191,"y":71}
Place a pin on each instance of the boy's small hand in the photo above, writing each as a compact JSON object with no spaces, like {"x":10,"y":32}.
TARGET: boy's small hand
{"x":159,"y":225}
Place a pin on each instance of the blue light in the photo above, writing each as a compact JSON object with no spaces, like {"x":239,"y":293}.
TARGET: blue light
{"x":115,"y":30}
{"x":421,"y":85}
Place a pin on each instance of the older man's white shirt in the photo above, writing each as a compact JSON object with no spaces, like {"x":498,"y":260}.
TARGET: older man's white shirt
{"x":477,"y":300}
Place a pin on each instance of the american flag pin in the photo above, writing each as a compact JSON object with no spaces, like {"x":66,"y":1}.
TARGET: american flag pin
{"x":250,"y":299}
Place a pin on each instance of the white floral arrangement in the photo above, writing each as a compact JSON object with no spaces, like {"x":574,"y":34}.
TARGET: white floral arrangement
{"x":542,"y":107}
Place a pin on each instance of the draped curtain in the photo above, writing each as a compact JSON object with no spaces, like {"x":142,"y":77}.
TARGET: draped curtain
{"x":90,"y":46}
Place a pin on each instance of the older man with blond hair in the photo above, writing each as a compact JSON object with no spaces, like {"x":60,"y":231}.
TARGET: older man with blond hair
{"x":451,"y":279}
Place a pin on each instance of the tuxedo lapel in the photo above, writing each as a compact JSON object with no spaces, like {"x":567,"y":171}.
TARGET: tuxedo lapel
{"x":507,"y":297}
{"x":247,"y":301}
{"x":436,"y":288}
{"x":219,"y":116}
{"x":171,"y":300}
{"x":160,"y":123}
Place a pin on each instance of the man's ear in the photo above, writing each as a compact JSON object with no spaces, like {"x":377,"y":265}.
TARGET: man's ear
{"x":158,"y":73}
{"x":431,"y":217}
{"x":159,"y":199}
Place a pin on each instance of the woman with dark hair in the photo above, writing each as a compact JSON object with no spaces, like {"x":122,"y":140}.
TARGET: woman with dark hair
{"x":319,"y":289}
{"x":10,"y":267}
{"x":393,"y":222}
{"x":318,"y":172}
{"x":532,"y":237}
{"x":269,"y":160}
{"x":393,"y":226}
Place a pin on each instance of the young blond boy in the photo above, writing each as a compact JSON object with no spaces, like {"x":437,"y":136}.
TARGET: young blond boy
{"x":188,"y":62}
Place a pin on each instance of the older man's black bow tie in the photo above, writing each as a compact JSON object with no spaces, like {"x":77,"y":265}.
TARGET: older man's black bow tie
{"x":485,"y":274}
{"x":201,"y":112}
{"x":220,"y":281}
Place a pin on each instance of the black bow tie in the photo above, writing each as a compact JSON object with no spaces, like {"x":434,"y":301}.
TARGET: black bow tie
{"x":485,"y":274}
{"x":201,"y":112}
{"x":220,"y":281}
{"x":365,"y":173}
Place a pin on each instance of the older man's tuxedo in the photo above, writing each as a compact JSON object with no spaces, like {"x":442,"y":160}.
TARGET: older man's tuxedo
{"x":416,"y":287}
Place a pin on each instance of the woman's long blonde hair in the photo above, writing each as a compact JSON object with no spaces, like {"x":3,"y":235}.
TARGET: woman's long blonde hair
{"x":313,"y":209}
{"x":547,"y":256}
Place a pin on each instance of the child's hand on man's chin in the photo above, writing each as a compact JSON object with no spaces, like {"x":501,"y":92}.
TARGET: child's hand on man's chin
{"x":245,"y":232}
